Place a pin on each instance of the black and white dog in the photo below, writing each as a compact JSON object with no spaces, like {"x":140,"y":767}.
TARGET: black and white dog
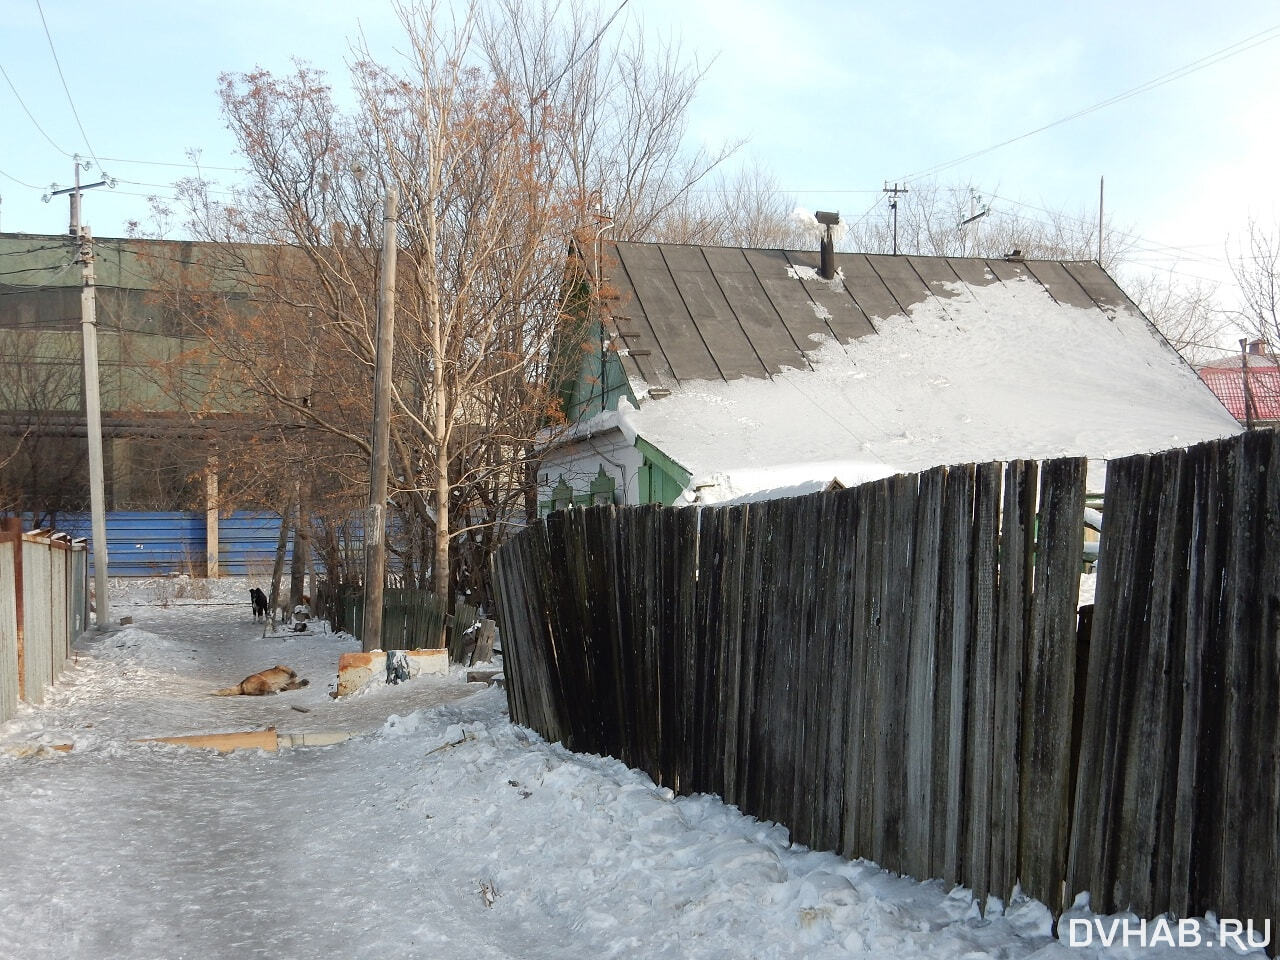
{"x":259,"y":601}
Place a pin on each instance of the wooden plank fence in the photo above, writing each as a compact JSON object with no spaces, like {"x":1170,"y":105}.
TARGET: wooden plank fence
{"x":851,"y":664}
{"x":899,"y":672}
{"x":1177,"y":799}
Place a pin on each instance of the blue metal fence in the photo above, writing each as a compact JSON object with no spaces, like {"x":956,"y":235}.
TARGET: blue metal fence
{"x":153,"y":543}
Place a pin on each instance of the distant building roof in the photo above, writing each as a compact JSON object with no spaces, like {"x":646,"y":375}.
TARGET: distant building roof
{"x":1227,"y":383}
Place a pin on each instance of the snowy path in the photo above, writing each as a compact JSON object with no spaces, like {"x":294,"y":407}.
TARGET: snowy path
{"x":381,"y":846}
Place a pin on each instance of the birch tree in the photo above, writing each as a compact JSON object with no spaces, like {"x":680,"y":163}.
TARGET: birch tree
{"x":492,"y":133}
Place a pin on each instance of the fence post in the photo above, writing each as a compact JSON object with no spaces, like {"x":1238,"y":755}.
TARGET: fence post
{"x":11,"y":532}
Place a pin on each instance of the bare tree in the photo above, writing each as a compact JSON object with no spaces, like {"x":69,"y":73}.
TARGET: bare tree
{"x":959,"y":220}
{"x":1185,"y":312}
{"x":488,"y":130}
{"x":1256,"y":267}
{"x":626,"y":150}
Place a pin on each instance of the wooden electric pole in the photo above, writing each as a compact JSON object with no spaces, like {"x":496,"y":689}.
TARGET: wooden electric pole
{"x":893,"y":205}
{"x":375,"y":533}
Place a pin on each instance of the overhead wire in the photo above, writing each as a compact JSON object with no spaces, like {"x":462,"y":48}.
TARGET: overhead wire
{"x":10,"y":176}
{"x":30,"y":115}
{"x":67,"y":90}
{"x":1208,"y":60}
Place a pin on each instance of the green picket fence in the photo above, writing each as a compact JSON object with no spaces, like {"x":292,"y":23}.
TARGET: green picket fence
{"x":411,"y":619}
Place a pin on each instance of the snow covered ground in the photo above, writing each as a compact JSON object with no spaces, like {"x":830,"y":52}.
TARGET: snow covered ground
{"x":441,"y":831}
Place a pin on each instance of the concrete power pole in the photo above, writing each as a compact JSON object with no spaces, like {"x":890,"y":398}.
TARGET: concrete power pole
{"x":375,"y":533}
{"x":83,"y":237}
{"x":93,"y":427}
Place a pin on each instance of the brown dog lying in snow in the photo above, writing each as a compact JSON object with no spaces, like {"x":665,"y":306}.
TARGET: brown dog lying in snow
{"x":276,"y":679}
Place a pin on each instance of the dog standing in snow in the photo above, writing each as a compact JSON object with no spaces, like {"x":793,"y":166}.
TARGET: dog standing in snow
{"x":275,"y":680}
{"x":259,"y":601}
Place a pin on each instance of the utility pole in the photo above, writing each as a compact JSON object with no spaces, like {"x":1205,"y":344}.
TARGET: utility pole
{"x":1101,"y":180}
{"x":83,"y":236}
{"x":977,"y":210}
{"x":375,"y":536}
{"x":893,"y":205}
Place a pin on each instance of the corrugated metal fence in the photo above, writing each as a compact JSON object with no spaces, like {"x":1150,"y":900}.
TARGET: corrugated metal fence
{"x":44,"y":606}
{"x":898,"y":672}
{"x":157,"y":543}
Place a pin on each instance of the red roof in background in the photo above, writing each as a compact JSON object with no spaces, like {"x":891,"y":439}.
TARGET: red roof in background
{"x":1264,"y":384}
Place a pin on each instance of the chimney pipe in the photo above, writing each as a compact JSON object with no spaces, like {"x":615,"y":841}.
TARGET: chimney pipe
{"x":1258,"y":348}
{"x":827,"y":249}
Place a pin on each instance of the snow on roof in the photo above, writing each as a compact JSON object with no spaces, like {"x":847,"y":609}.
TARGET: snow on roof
{"x":985,"y":373}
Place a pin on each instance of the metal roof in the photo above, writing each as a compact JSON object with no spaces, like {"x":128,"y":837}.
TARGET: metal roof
{"x":1264,"y":385}
{"x":685,"y":312}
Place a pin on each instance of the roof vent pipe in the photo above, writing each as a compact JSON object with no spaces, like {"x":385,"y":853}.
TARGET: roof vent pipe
{"x":827,"y":250}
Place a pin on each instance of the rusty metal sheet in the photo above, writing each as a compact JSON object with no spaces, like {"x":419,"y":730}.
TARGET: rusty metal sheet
{"x":901,"y":279}
{"x":733,"y":353}
{"x":789,"y":298}
{"x":673,"y":328}
{"x":866,"y":287}
{"x":1060,"y":284}
{"x":847,"y":321}
{"x":756,"y":313}
{"x":1097,"y":283}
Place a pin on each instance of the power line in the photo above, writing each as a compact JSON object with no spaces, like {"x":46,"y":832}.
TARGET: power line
{"x":30,"y":115}
{"x":1208,"y":60}
{"x":23,"y":183}
{"x":65,"y":88}
{"x":1123,"y":234}
{"x":169,"y":163}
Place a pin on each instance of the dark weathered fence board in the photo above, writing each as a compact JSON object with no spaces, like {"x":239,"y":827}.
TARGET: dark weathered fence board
{"x":1049,"y":681}
{"x":921,"y":675}
{"x":1017,"y":526}
{"x":1142,"y":784}
{"x":897,"y":670}
{"x":955,"y":632}
{"x":981,"y":688}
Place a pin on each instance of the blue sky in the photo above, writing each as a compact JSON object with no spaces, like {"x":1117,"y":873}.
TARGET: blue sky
{"x":834,"y":98}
